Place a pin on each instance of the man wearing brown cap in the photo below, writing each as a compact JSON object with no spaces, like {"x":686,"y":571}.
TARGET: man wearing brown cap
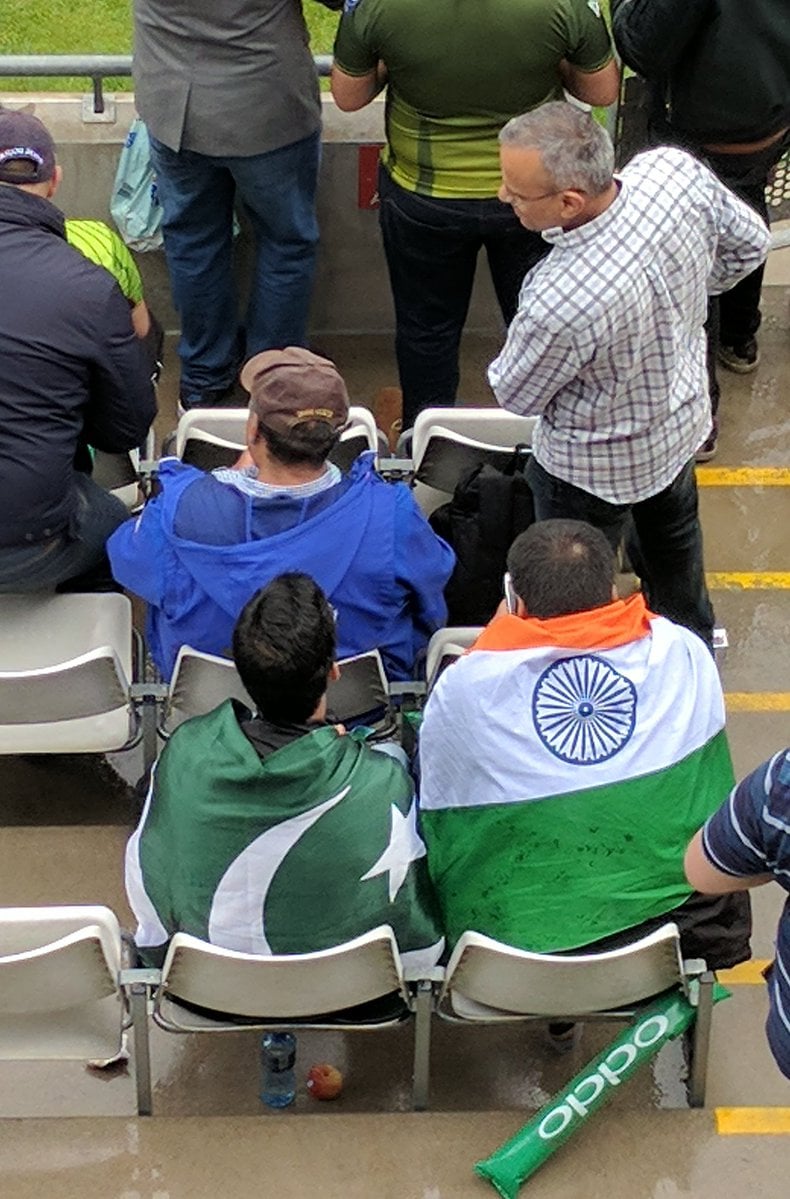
{"x":207,"y":542}
{"x":74,"y":374}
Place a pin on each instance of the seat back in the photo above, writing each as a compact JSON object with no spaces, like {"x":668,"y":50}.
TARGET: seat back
{"x":283,"y":987}
{"x":361,"y":689}
{"x":116,"y":472}
{"x":486,"y":979}
{"x":67,"y":665}
{"x":449,"y":442}
{"x":201,"y":682}
{"x":121,"y":473}
{"x":213,"y":437}
{"x":445,"y":646}
{"x":59,"y":992}
{"x":208,"y":452}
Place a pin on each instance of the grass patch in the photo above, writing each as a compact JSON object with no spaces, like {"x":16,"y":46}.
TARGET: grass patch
{"x":98,"y":27}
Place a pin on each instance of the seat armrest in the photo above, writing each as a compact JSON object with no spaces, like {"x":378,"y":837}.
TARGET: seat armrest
{"x":140,"y":975}
{"x":431,"y":974}
{"x":694,"y":967}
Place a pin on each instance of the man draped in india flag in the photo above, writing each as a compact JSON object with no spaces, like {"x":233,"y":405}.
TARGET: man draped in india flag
{"x":566,"y":759}
{"x":278,"y":832}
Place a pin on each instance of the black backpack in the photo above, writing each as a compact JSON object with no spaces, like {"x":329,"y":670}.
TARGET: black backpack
{"x":489,"y":508}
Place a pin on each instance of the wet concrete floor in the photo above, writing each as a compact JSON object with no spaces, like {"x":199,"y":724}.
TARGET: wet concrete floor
{"x":64,"y":826}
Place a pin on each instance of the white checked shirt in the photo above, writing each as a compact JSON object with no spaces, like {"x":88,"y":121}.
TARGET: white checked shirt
{"x":608,"y":346}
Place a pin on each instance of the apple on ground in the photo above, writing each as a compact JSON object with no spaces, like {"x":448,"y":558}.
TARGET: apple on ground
{"x":324,"y":1081}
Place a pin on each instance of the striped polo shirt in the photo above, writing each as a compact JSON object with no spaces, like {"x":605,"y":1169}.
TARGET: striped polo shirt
{"x":750,"y":835}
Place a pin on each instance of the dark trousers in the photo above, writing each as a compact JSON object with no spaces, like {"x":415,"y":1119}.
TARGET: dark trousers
{"x":76,"y":563}
{"x":664,"y":540}
{"x":431,"y":247}
{"x":746,"y":175}
{"x":734,"y":316}
{"x":717,"y":928}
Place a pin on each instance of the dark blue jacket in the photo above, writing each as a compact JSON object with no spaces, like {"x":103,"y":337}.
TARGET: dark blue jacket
{"x":202,"y":548}
{"x":73,"y":373}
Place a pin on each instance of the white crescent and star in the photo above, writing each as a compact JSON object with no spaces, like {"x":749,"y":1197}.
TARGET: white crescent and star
{"x":236,"y":919}
{"x":405,"y":846}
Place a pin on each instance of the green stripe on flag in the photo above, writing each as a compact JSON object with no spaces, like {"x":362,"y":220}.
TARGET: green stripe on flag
{"x":559,"y":872}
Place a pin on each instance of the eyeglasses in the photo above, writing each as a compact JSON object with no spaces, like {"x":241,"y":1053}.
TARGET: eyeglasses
{"x":513,"y":198}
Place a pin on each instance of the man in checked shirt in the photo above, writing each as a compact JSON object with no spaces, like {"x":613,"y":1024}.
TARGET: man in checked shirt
{"x":608,"y":345}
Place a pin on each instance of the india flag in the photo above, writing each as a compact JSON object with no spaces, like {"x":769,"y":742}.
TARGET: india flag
{"x":565,"y":765}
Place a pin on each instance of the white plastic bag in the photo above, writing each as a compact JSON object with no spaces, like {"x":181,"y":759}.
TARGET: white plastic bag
{"x":135,"y":204}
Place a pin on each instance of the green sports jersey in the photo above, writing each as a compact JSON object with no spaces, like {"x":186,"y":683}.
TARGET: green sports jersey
{"x":103,"y":246}
{"x":458,"y":70}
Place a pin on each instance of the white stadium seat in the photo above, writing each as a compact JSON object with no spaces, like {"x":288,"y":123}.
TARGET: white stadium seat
{"x":65,"y":683}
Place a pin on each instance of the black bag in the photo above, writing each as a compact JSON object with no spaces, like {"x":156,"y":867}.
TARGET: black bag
{"x":489,"y":508}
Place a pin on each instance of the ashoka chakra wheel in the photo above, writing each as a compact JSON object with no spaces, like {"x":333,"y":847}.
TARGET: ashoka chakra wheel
{"x":584,"y":710}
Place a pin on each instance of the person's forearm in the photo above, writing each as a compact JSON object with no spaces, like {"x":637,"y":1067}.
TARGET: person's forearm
{"x":141,"y":319}
{"x":743,"y":245}
{"x":352,"y":92}
{"x":591,"y":87}
{"x":704,"y":877}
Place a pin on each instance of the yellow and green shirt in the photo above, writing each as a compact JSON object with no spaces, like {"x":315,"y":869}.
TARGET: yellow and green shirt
{"x":103,"y":246}
{"x":458,"y":70}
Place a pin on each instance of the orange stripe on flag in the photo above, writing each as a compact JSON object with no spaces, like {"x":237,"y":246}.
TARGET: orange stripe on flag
{"x":602,"y":628}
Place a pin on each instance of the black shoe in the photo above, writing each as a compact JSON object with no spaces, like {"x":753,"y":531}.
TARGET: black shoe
{"x":232,"y":396}
{"x":708,"y":448}
{"x":743,"y":357}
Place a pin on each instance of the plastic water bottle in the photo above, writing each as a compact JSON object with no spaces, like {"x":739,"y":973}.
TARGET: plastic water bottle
{"x":278,"y":1081}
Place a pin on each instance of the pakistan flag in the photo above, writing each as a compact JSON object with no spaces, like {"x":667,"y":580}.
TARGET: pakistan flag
{"x":307,"y":848}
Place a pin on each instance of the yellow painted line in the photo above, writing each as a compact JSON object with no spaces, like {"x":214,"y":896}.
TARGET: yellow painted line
{"x":752,"y":1121}
{"x":748,"y":974}
{"x":743,"y":476}
{"x":748,"y":580}
{"x":757,"y":701}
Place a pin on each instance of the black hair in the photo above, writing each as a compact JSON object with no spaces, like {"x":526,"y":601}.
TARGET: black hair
{"x":21,"y":169}
{"x":309,"y":443}
{"x":561,"y":566}
{"x":284,"y":647}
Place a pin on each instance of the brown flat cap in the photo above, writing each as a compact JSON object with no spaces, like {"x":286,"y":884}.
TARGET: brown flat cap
{"x":291,"y":386}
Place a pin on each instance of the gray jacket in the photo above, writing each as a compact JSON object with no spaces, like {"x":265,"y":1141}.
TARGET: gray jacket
{"x":229,"y":78}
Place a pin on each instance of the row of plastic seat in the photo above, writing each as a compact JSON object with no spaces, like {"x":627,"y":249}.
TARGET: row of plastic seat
{"x":71,"y":683}
{"x":445,"y":443}
{"x":67,"y":990}
{"x":68,"y":682}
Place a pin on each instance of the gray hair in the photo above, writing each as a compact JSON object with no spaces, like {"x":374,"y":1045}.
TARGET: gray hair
{"x":575,"y":150}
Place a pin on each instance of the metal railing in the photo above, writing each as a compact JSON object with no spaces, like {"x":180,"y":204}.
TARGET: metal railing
{"x":95,"y":67}
{"x":95,"y":106}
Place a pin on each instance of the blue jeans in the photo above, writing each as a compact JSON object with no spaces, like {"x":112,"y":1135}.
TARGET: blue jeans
{"x":663,"y":535}
{"x":432,"y":247}
{"x":197,"y":193}
{"x":80,"y":560}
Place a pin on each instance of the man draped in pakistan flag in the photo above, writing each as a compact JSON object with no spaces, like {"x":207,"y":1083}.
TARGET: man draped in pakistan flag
{"x":278,"y":832}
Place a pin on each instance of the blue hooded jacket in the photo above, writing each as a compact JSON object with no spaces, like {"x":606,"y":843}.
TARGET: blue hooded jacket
{"x":201,"y":548}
